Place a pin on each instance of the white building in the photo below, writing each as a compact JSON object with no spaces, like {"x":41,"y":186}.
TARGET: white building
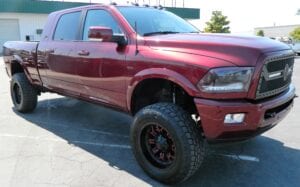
{"x":25,"y":19}
{"x":277,"y":31}
{"x":21,"y":26}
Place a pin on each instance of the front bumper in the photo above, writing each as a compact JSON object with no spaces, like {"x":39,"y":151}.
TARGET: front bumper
{"x":260,"y":116}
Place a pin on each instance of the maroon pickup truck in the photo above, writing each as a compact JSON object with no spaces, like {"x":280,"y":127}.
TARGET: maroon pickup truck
{"x":184,"y":88}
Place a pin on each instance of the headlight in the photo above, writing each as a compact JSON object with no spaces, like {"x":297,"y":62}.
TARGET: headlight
{"x":228,"y":79}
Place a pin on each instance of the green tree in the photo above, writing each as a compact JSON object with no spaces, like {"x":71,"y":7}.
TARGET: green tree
{"x":295,"y":34}
{"x":218,"y":23}
{"x":260,"y":33}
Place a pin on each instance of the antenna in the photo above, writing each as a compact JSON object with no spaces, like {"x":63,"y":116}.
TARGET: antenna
{"x":136,"y":39}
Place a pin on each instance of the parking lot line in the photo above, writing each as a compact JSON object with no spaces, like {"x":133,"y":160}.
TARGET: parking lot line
{"x":241,"y":157}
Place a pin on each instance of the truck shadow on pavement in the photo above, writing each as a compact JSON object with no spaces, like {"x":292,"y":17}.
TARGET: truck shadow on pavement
{"x":105,"y":134}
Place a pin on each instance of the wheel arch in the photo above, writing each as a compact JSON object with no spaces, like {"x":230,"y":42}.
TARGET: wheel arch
{"x":162,"y":74}
{"x":17,"y":65}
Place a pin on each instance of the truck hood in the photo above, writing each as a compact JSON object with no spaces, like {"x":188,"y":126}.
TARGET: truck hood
{"x":239,"y":50}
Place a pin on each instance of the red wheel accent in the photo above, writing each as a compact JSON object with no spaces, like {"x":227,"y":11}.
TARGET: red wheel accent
{"x":158,"y":145}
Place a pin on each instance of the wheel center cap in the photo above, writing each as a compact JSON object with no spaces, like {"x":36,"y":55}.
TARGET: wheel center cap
{"x":161,"y":143}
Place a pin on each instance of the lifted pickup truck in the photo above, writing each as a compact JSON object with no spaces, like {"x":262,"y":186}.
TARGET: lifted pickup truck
{"x":184,"y":88}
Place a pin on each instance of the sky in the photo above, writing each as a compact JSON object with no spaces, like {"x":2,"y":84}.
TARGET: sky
{"x":244,"y":15}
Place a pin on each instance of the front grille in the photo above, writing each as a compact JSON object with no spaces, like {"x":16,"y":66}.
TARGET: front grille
{"x":276,"y":76}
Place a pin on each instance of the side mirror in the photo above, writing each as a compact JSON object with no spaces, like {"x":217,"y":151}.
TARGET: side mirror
{"x":105,"y":34}
{"x":120,"y":39}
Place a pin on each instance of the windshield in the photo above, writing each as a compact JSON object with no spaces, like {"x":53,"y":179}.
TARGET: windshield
{"x":152,"y":21}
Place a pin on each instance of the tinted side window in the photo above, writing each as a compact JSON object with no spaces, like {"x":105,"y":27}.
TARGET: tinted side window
{"x":100,"y":18}
{"x":67,"y":26}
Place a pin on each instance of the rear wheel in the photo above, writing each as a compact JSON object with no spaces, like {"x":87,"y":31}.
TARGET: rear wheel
{"x":167,"y":143}
{"x":23,"y":94}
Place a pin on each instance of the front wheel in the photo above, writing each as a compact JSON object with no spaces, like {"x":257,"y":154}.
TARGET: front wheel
{"x":167,"y":143}
{"x":23,"y":94}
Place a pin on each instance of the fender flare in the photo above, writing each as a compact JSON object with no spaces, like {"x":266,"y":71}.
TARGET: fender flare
{"x":159,"y":73}
{"x":18,"y":59}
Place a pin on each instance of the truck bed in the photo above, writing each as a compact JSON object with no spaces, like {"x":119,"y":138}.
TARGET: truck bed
{"x":24,"y":52}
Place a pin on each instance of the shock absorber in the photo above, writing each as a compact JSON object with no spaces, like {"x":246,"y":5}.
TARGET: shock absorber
{"x":174,"y":94}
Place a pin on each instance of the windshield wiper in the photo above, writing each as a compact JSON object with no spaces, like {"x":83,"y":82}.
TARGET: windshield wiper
{"x":159,"y":32}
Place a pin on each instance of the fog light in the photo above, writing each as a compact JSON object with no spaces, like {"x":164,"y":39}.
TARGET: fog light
{"x":234,"y":118}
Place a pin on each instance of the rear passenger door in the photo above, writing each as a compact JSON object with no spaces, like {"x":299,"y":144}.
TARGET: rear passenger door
{"x":61,"y":64}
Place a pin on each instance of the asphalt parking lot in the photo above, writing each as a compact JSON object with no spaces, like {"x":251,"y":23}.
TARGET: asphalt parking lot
{"x":67,"y":142}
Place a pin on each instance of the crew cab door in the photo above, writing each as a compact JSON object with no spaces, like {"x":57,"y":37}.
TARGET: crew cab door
{"x":101,"y":65}
{"x":58,"y":67}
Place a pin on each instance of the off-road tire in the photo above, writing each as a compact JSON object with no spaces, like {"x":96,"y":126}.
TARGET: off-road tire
{"x":23,"y":94}
{"x":190,"y":148}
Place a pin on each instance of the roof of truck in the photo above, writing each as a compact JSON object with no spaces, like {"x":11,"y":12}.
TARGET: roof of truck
{"x":46,"y":7}
{"x":107,"y":6}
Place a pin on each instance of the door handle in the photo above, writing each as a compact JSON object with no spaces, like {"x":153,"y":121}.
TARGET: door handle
{"x":83,"y":53}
